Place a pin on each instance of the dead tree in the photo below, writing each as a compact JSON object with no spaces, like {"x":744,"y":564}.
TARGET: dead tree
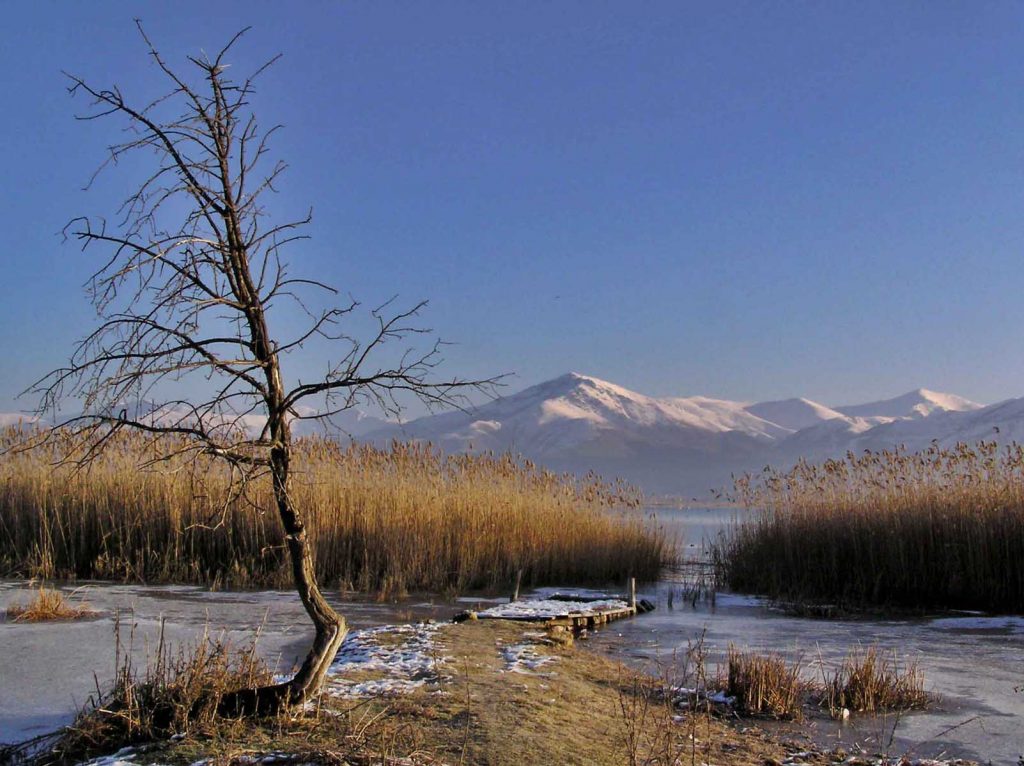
{"x":192,"y":266}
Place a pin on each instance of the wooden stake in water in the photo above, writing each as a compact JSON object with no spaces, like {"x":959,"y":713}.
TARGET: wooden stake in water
{"x":632,"y":592}
{"x":515,"y":593}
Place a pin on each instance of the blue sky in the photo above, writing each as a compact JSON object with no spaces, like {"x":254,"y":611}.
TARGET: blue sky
{"x":745,"y":200}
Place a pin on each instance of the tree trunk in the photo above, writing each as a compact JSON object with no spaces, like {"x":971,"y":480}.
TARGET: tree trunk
{"x":330,"y":626}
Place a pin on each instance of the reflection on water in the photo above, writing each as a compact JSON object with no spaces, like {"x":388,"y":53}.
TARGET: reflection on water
{"x":974,"y":662}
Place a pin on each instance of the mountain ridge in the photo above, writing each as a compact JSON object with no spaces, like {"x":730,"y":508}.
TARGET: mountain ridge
{"x":680,"y":445}
{"x":683,"y":445}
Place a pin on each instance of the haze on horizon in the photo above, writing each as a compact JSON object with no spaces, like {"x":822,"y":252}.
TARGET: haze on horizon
{"x":749,"y":202}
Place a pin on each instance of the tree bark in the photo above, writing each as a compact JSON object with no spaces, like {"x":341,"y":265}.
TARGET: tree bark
{"x":330,"y":627}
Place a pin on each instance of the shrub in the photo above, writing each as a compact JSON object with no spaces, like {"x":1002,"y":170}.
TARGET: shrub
{"x":46,"y":604}
{"x":868,"y":681}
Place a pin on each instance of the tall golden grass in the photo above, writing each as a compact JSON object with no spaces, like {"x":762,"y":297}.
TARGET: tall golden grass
{"x":47,"y":604}
{"x":870,"y":681}
{"x":765,"y":684}
{"x":943,"y":528}
{"x":383,"y":520}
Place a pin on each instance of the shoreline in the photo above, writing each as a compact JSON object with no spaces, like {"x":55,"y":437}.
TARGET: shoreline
{"x":500,"y":693}
{"x":490,"y":692}
{"x":622,"y":644}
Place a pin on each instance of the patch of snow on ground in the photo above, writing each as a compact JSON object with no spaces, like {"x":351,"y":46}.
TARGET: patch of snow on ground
{"x":810,"y":756}
{"x":123,"y":757}
{"x":401,"y":657}
{"x":523,"y":658}
{"x":544,"y":609}
{"x":683,"y":696}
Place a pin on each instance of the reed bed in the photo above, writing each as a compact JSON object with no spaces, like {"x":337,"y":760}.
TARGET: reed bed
{"x":406,"y":518}
{"x":868,"y":680}
{"x":943,"y":528}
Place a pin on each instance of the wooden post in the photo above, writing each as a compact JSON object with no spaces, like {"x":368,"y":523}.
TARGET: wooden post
{"x":632,"y":592}
{"x":515,"y":593}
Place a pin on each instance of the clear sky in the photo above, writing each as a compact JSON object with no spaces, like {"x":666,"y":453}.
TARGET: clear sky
{"x":744,"y":200}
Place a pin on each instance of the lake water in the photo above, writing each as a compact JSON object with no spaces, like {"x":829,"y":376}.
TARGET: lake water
{"x":974,"y":662}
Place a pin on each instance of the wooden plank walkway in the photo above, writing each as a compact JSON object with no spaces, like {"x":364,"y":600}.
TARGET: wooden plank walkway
{"x":579,"y":613}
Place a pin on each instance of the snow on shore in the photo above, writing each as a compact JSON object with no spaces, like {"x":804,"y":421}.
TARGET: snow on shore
{"x":397,"y":659}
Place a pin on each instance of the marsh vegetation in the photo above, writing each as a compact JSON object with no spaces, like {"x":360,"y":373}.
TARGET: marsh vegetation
{"x":867,"y":680}
{"x":943,"y":528}
{"x":404,"y":518}
{"x":47,"y":604}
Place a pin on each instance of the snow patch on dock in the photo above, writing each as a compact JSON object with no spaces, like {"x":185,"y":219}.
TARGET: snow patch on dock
{"x":549,"y":609}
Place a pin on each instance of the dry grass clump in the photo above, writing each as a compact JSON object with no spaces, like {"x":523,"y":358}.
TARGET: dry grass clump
{"x":387,"y":520}
{"x":47,"y":604}
{"x":943,"y":528}
{"x":178,"y":693}
{"x":868,"y":681}
{"x":765,"y":684}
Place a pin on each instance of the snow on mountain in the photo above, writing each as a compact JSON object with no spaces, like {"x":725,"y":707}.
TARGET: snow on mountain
{"x":692,"y":445}
{"x":1003,"y":422}
{"x":794,"y":414}
{"x":575,"y":411}
{"x":352,"y":423}
{"x":915,"y":404}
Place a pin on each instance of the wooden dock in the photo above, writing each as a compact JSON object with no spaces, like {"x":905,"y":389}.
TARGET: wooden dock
{"x":569,"y":611}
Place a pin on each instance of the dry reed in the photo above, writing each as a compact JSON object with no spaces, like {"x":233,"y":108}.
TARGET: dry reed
{"x":765,"y":684}
{"x":46,"y":604}
{"x":943,"y":528}
{"x":177,"y":693}
{"x":869,"y":681}
{"x":385,"y":520}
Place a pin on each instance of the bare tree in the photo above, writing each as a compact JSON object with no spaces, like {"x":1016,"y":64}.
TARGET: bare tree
{"x":193,"y":266}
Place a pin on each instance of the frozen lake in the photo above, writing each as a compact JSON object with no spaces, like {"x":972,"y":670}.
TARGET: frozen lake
{"x":974,"y":662}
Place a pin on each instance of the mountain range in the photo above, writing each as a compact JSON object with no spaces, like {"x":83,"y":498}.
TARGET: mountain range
{"x":682,"y":446}
{"x":691,"y":446}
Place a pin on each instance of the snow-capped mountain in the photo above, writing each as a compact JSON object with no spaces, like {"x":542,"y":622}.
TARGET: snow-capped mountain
{"x":16,"y":418}
{"x":794,"y":414}
{"x":916,"y":404}
{"x":686,"y":446}
{"x":692,"y":445}
{"x":351,"y":423}
{"x":574,"y":411}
